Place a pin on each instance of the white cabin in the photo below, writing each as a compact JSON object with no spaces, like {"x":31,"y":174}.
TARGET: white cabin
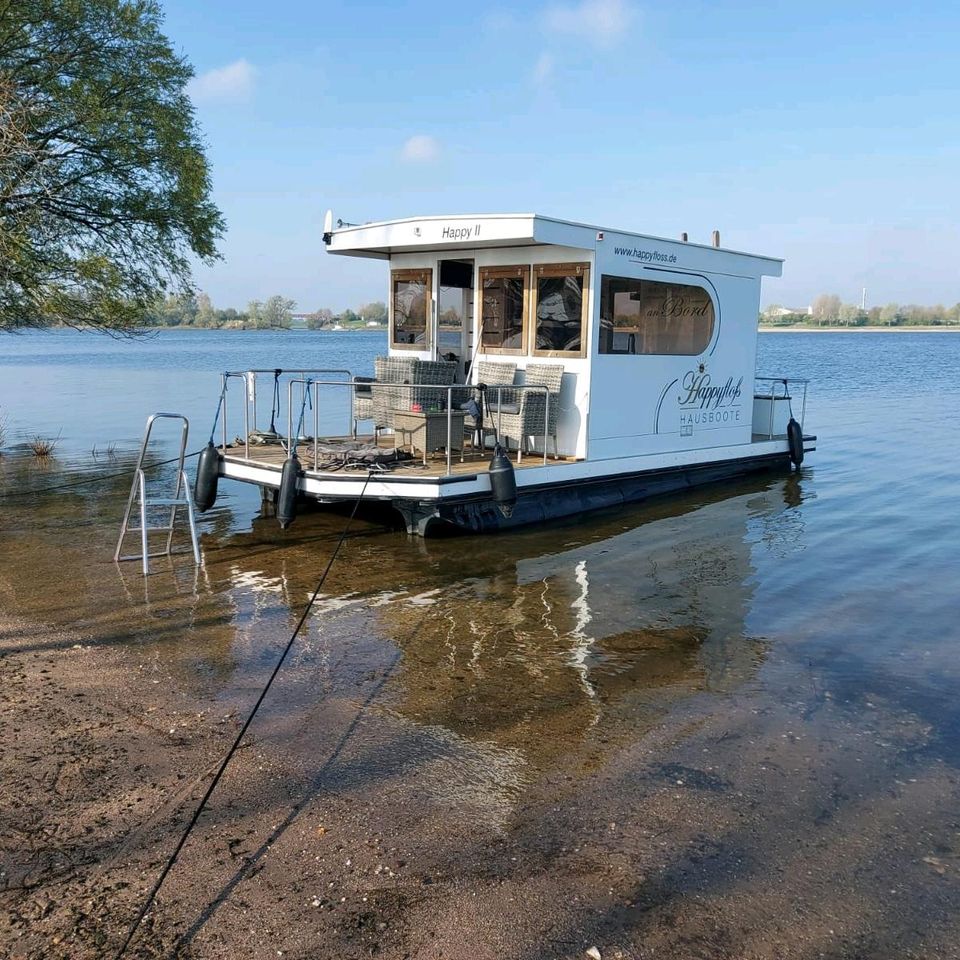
{"x":657,"y":337}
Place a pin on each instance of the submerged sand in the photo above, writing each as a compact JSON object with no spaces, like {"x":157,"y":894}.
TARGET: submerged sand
{"x":765,"y":830}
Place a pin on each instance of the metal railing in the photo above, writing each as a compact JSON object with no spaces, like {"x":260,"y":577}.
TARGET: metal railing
{"x":444,"y":391}
{"x":182,"y":497}
{"x":776,"y":385}
{"x":250,"y":378}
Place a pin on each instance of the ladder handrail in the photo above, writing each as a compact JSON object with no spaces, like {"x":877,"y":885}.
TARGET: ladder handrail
{"x":182,"y":495}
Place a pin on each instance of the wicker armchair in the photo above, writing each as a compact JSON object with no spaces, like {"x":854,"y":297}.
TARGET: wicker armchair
{"x":386,"y":397}
{"x":362,"y":400}
{"x":528,"y":418}
{"x":494,"y":375}
{"x":399,"y":385}
{"x":434,"y":372}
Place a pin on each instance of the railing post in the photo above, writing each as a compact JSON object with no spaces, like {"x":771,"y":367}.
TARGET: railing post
{"x":316,"y":421}
{"x":546,"y":426}
{"x":289,"y":417}
{"x":224,"y":380}
{"x":246,"y":416}
{"x":450,"y":430}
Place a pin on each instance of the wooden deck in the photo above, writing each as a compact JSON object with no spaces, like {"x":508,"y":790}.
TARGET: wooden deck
{"x":273,"y":456}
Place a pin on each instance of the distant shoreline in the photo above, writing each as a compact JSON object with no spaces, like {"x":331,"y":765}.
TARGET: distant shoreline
{"x":918,"y":329}
{"x":157,"y":329}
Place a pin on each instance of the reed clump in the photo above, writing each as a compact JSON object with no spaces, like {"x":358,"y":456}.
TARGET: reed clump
{"x":43,"y":447}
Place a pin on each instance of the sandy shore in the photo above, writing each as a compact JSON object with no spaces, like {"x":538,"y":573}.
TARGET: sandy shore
{"x":684,"y":840}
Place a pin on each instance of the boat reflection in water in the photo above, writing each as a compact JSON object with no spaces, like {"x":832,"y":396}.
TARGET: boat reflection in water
{"x":498,"y":660}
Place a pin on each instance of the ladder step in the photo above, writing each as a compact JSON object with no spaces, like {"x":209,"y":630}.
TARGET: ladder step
{"x":176,"y":551}
{"x":164,"y":502}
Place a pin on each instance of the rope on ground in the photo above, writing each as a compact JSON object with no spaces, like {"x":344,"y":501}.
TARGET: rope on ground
{"x":236,"y":743}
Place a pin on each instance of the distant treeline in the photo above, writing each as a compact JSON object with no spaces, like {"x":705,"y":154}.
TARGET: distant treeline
{"x":828,"y":310}
{"x":274,"y":313}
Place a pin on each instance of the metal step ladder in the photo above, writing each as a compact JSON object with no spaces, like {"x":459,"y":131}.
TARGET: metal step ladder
{"x":182,"y":497}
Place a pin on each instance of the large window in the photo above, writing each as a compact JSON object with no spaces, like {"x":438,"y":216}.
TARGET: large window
{"x":503,"y":306}
{"x":653,"y":317}
{"x":560,"y":309}
{"x":410,"y":298}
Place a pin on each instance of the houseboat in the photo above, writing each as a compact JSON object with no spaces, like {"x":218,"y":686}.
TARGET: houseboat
{"x":535,"y":368}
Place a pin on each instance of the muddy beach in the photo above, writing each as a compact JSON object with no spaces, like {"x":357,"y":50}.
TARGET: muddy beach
{"x":723,"y":726}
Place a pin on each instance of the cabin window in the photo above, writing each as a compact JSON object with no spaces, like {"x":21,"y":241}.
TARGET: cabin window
{"x":410,"y":298}
{"x":653,"y":317}
{"x":560,"y":309}
{"x":503,"y":306}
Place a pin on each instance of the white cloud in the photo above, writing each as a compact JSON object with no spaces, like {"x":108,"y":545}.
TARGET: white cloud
{"x":420,"y":149}
{"x":602,"y":22}
{"x":232,"y":82}
{"x":543,"y":69}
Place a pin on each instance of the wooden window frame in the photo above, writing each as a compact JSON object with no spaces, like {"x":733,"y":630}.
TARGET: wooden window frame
{"x":548,"y":270}
{"x":500,"y":273}
{"x":413,"y":273}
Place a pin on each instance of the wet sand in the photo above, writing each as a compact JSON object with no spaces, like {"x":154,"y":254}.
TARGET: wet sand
{"x":769,"y":828}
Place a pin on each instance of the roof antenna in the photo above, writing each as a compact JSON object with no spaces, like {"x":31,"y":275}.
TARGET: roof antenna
{"x":683,"y":236}
{"x":328,"y":226}
{"x":716,"y":238}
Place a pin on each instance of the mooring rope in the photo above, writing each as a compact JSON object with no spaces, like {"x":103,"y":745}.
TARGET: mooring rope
{"x":94,"y":479}
{"x":216,"y":416}
{"x":304,"y":400}
{"x":131,"y":933}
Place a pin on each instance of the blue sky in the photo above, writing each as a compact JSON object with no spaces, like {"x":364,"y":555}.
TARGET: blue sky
{"x":825,"y":133}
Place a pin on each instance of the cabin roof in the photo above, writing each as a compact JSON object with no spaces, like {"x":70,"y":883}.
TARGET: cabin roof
{"x":382,"y":239}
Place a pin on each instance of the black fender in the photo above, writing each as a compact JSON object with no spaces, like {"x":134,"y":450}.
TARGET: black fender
{"x":795,"y":441}
{"x":287,"y":495}
{"x":208,"y":477}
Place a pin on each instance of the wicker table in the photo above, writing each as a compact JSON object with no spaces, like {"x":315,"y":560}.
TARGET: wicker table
{"x":427,"y":431}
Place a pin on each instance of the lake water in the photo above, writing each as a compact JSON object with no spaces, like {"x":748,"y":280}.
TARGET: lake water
{"x":724,"y":724}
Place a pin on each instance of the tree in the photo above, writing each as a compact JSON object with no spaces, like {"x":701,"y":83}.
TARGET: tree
{"x":206,"y":315}
{"x":104,"y":186}
{"x":348,"y":316}
{"x":319,"y":319}
{"x":374,"y":312}
{"x":849,"y":314}
{"x":826,"y":308}
{"x":890,"y":314}
{"x":276,"y":311}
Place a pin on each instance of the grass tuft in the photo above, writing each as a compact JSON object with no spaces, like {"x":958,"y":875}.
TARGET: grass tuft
{"x":44,"y":446}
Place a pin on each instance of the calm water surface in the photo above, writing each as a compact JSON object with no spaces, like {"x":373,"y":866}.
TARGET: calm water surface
{"x":770,"y":668}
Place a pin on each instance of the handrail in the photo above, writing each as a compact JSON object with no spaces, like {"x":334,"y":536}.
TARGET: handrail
{"x":310,"y":383}
{"x":786,"y":382}
{"x":250,"y":393}
{"x":139,"y":485}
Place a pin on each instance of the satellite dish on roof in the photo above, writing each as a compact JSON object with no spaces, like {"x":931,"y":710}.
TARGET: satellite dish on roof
{"x":327,"y":226}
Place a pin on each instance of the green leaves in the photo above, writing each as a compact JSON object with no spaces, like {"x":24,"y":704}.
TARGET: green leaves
{"x":104,"y":185}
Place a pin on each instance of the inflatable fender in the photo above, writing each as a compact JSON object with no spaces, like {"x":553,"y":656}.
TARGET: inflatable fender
{"x":795,"y":441}
{"x":208,"y":476}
